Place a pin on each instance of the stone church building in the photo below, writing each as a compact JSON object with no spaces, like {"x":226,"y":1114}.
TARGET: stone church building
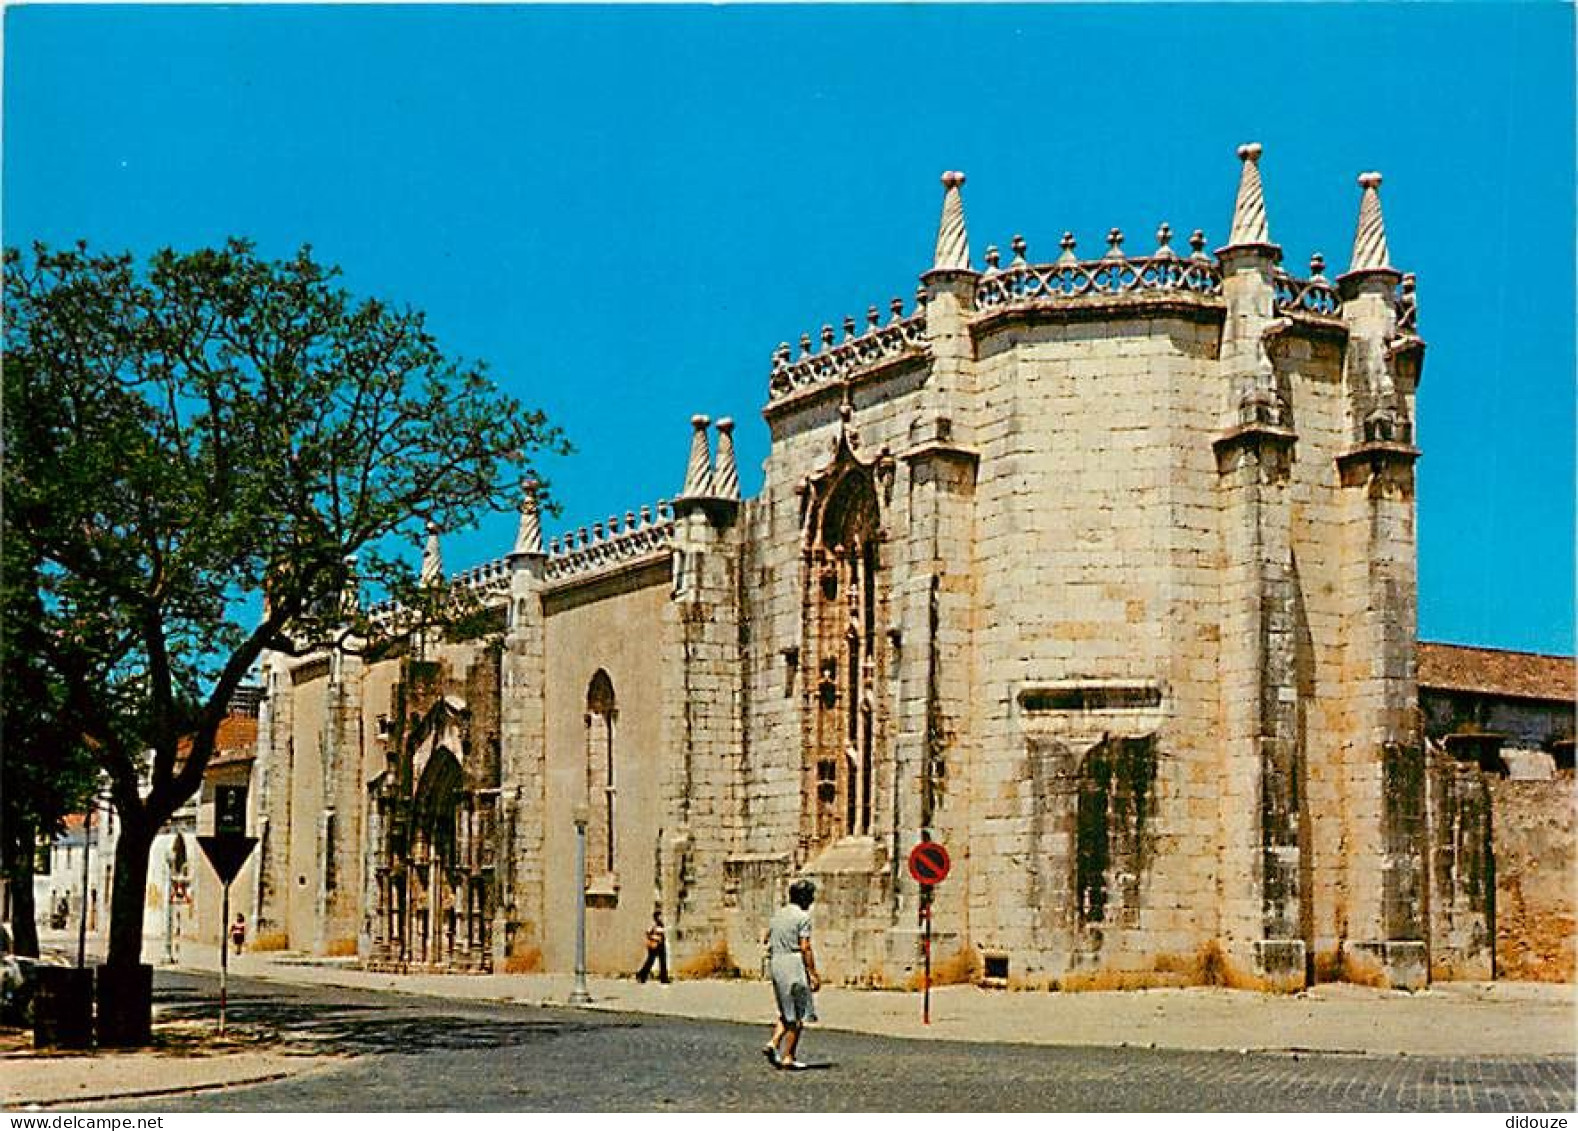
{"x":1098,"y":569}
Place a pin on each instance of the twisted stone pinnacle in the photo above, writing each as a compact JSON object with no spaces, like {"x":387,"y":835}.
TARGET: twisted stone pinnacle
{"x":698,"y":472}
{"x":1249,"y":209}
{"x":432,"y":559}
{"x":1369,"y":238}
{"x":953,"y":242}
{"x":528,"y":535}
{"x":726,"y":474}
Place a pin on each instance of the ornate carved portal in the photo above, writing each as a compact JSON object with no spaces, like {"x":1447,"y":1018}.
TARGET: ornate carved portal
{"x":435,"y":878}
{"x":844,"y":618}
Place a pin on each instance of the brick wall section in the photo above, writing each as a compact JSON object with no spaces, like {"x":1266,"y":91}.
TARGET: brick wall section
{"x":1535,"y":878}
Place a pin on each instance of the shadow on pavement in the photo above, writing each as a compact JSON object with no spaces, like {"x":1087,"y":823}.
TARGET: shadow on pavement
{"x":361,"y":1029}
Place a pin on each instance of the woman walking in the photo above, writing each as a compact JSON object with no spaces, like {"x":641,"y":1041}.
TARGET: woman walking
{"x":793,"y":967}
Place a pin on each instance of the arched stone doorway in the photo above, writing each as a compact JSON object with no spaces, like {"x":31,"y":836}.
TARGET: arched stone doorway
{"x":434,"y":870}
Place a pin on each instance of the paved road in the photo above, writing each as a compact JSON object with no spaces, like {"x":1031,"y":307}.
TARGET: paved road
{"x":430,"y":1054}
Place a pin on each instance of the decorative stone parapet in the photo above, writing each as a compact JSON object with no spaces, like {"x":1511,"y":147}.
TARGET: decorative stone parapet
{"x":580,"y":553}
{"x":487,"y":578}
{"x":1314,"y":295}
{"x":877,"y":343}
{"x":1071,"y":280}
{"x":573,"y":554}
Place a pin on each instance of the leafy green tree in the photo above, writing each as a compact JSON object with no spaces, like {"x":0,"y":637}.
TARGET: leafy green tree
{"x":183,"y":437}
{"x":46,"y":769}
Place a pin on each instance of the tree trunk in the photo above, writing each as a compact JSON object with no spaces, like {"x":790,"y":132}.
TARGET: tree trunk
{"x":24,"y":915}
{"x":131,"y":878}
{"x":125,"y":986}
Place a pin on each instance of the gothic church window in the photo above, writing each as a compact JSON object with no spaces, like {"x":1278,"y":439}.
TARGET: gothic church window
{"x":601,"y":779}
{"x":845,"y":591}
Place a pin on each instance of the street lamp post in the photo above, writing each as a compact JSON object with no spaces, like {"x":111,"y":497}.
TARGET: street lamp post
{"x":578,"y":995}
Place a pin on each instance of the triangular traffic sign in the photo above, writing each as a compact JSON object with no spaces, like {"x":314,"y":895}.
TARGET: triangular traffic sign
{"x":227,"y":853}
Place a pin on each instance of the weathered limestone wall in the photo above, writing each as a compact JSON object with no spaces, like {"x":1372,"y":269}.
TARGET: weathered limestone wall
{"x":1096,"y":548}
{"x":613,"y":625}
{"x":275,"y":779}
{"x":1536,"y":878}
{"x":861,"y":885}
{"x":1462,"y":869}
{"x":702,"y":686}
{"x":1311,"y":365}
{"x":303,"y":913}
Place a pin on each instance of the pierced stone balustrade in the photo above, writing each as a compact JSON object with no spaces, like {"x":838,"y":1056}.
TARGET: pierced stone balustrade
{"x":1306,"y":296}
{"x":875,"y":344}
{"x":1072,"y":281}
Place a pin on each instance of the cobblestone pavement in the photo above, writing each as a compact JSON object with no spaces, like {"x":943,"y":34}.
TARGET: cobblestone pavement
{"x":411,"y":1053}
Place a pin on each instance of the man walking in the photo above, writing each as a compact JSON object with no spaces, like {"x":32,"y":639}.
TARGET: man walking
{"x":793,"y":966}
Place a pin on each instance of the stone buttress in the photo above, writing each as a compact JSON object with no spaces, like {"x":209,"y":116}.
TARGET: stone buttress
{"x":523,"y":799}
{"x":702,"y":678}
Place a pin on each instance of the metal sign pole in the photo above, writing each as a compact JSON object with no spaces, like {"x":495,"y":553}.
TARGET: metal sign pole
{"x":224,"y":954}
{"x":82,"y":919}
{"x":926,"y":947}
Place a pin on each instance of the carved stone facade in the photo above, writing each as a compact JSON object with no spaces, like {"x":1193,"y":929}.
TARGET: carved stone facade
{"x":1101,"y":571}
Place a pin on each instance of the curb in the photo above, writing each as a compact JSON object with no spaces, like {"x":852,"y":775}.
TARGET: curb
{"x":23,"y":1104}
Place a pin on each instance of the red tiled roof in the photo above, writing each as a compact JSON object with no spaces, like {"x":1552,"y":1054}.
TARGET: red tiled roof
{"x":235,"y":741}
{"x":1489,"y":671}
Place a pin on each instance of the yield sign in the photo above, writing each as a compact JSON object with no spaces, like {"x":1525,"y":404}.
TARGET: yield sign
{"x":227,"y":853}
{"x":929,"y":862}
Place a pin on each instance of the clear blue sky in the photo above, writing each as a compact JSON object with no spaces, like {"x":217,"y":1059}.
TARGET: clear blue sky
{"x":625,"y":209}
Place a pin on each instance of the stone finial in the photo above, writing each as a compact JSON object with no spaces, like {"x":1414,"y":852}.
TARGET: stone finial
{"x":1020,"y":247}
{"x":1317,"y":267}
{"x":725,"y":474}
{"x":849,"y":326}
{"x":1249,"y":211}
{"x":953,"y":242}
{"x":896,"y":308}
{"x":827,"y":337}
{"x":1369,"y":241}
{"x":993,"y":259}
{"x":1114,"y":244}
{"x":528,"y":535}
{"x":805,"y":345}
{"x":698,"y":472}
{"x":1197,"y":243}
{"x":1164,"y":239}
{"x":1068,"y":243}
{"x":646,"y":516}
{"x":432,"y":560}
{"x":873,"y":318}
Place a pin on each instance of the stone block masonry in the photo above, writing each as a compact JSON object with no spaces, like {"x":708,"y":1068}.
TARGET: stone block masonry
{"x":1099,"y":569}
